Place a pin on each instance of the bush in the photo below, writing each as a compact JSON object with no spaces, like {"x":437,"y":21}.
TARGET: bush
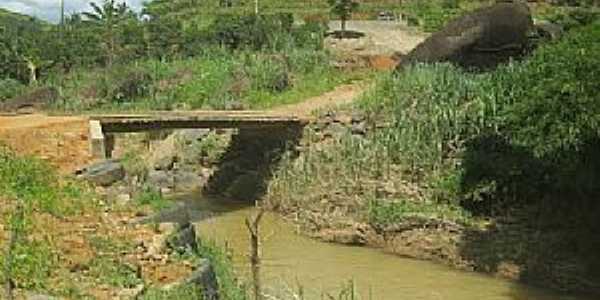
{"x":127,"y":85}
{"x":510,"y":135}
{"x":574,"y":18}
{"x":10,"y":88}
{"x":431,"y":15}
{"x":251,"y":31}
{"x":310,"y":35}
{"x":268,"y":73}
{"x":555,"y":105}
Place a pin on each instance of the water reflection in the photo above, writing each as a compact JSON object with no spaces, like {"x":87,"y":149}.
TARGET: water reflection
{"x":293,"y":263}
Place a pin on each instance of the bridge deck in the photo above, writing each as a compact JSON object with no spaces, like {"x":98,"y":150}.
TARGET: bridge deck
{"x":196,"y":119}
{"x":101,"y":125}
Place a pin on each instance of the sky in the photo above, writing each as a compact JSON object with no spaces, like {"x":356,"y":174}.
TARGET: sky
{"x":49,"y":10}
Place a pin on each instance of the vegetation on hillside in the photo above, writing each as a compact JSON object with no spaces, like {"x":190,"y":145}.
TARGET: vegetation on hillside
{"x":113,"y":58}
{"x":461,"y":147}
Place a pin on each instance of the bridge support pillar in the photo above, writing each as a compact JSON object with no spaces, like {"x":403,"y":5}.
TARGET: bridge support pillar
{"x":101,"y":145}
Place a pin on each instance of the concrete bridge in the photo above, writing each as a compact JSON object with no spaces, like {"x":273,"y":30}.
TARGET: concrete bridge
{"x":103,"y":127}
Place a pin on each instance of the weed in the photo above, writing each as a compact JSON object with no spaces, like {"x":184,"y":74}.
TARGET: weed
{"x":185,"y":292}
{"x":150,"y":197}
{"x":229,"y":287}
{"x":31,"y":264}
{"x":112,"y":272}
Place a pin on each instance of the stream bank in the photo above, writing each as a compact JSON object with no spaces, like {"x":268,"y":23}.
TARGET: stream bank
{"x":244,"y":172}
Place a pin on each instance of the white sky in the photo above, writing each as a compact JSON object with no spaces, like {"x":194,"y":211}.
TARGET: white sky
{"x":49,"y":10}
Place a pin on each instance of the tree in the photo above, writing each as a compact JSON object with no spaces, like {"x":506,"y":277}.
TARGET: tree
{"x":25,"y":49}
{"x":108,"y":18}
{"x":344,"y":9}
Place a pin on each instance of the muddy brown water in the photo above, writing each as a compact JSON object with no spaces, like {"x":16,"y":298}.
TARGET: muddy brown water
{"x":291,"y":262}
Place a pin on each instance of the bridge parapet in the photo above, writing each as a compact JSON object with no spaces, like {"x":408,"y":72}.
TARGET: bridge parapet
{"x":102,"y":127}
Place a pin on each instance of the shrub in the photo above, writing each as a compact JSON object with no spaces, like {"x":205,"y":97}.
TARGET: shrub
{"x":555,"y":105}
{"x":310,"y":35}
{"x":251,"y":31}
{"x":268,"y":73}
{"x":10,"y":88}
{"x":574,"y":18}
{"x":128,"y":85}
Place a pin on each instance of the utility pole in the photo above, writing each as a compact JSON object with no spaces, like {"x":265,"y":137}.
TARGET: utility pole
{"x":256,"y":7}
{"x":62,"y":13}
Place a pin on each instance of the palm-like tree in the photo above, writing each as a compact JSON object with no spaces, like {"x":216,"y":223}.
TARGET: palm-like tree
{"x":108,"y":17}
{"x":344,"y":9}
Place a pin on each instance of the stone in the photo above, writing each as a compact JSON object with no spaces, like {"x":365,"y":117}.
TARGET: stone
{"x":164,"y":154}
{"x":359,"y":128}
{"x":481,"y":39}
{"x":549,"y":30}
{"x":335,"y":130}
{"x":205,"y":278}
{"x":132,"y":293}
{"x":358,"y":117}
{"x":35,"y":99}
{"x":104,"y":173}
{"x":189,"y":136}
{"x":184,"y":239}
{"x":40,"y":297}
{"x":186,"y":181}
{"x":167,"y":227}
{"x":123,"y":199}
{"x":160,"y":179}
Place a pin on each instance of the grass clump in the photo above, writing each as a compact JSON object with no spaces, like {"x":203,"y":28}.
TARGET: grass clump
{"x":152,"y":198}
{"x":229,"y":287}
{"x":216,"y":79}
{"x":114,"y":273}
{"x":29,"y":186}
{"x":394,"y":212}
{"x":185,"y":292}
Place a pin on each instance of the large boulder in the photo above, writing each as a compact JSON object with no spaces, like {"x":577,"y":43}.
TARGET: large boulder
{"x":481,"y":39}
{"x":104,"y":173}
{"x":34,"y":100}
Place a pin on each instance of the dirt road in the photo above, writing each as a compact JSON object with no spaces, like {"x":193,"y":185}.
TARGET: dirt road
{"x":63,"y":141}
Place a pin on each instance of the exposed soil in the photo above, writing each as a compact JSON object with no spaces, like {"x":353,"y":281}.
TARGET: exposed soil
{"x":375,"y":44}
{"x":62,"y":141}
{"x":341,"y":95}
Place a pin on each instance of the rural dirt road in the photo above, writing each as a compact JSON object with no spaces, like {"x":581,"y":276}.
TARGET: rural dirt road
{"x":63,"y":140}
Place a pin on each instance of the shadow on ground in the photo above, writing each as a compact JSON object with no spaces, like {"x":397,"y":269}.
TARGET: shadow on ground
{"x":545,"y":212}
{"x":347,"y":34}
{"x":241,"y":176}
{"x":246,"y":167}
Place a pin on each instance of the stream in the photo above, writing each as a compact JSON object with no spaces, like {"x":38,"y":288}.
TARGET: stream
{"x":290,"y":262}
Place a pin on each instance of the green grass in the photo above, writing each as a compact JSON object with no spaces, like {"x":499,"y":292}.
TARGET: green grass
{"x":112,"y":272}
{"x":152,"y":198}
{"x":394,"y":212}
{"x":182,"y":292}
{"x":30,"y":184}
{"x":33,"y":264}
{"x":430,"y":119}
{"x":229,"y":286}
{"x":218,"y":79}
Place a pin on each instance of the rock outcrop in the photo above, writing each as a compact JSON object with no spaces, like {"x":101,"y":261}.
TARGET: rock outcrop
{"x":35,"y":100}
{"x":482,"y":39}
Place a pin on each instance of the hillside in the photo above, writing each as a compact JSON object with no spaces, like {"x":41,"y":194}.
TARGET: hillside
{"x":7,"y":17}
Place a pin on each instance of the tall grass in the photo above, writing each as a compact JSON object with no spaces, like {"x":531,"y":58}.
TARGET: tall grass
{"x":431,"y":125}
{"x":217,"y":79}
